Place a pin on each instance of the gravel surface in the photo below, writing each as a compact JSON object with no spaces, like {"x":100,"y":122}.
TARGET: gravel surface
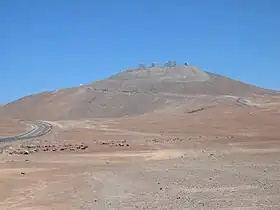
{"x":185,"y":183}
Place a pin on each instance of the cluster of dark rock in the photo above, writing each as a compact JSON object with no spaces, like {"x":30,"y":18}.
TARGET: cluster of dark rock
{"x":28,"y":149}
{"x":165,"y":139}
{"x":65,"y":147}
{"x":122,"y":143}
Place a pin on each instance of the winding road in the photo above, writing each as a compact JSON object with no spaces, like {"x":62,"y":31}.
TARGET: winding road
{"x":39,"y":128}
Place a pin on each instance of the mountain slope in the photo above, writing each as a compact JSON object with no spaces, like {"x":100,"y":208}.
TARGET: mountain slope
{"x":130,"y":92}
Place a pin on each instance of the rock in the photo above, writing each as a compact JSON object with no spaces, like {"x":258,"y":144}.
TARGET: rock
{"x":200,"y":203}
{"x":211,"y":155}
{"x":155,"y":140}
{"x":26,"y":152}
{"x":22,"y":173}
{"x":30,"y":146}
{"x":12,"y":152}
{"x":84,"y":147}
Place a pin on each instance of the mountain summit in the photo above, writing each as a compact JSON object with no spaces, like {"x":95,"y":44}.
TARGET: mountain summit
{"x":131,"y":92}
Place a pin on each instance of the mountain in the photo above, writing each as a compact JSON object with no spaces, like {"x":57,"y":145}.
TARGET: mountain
{"x":133,"y":92}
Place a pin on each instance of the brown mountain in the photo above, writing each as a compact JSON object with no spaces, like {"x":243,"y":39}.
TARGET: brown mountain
{"x":135,"y":91}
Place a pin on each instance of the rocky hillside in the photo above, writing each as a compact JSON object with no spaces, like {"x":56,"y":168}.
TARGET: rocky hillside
{"x":131,"y":92}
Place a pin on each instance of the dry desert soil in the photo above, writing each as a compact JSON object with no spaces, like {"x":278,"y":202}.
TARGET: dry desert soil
{"x":161,"y":142}
{"x":12,"y":127}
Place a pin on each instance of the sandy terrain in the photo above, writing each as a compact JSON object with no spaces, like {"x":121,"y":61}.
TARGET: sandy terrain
{"x":12,"y":127}
{"x":150,"y":180}
{"x":221,"y":158}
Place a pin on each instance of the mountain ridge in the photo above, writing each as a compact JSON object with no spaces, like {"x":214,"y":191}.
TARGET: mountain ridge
{"x":130,"y":92}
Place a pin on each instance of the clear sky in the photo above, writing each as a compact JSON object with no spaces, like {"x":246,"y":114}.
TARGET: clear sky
{"x":45,"y":45}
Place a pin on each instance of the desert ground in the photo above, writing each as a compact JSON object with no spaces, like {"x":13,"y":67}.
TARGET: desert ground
{"x":158,"y":138}
{"x":12,"y":127}
{"x":224,"y":157}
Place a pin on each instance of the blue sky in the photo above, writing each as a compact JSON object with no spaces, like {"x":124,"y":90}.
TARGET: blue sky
{"x":47,"y":45}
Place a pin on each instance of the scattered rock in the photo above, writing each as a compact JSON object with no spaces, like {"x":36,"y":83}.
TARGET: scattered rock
{"x":155,"y":140}
{"x":28,"y":149}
